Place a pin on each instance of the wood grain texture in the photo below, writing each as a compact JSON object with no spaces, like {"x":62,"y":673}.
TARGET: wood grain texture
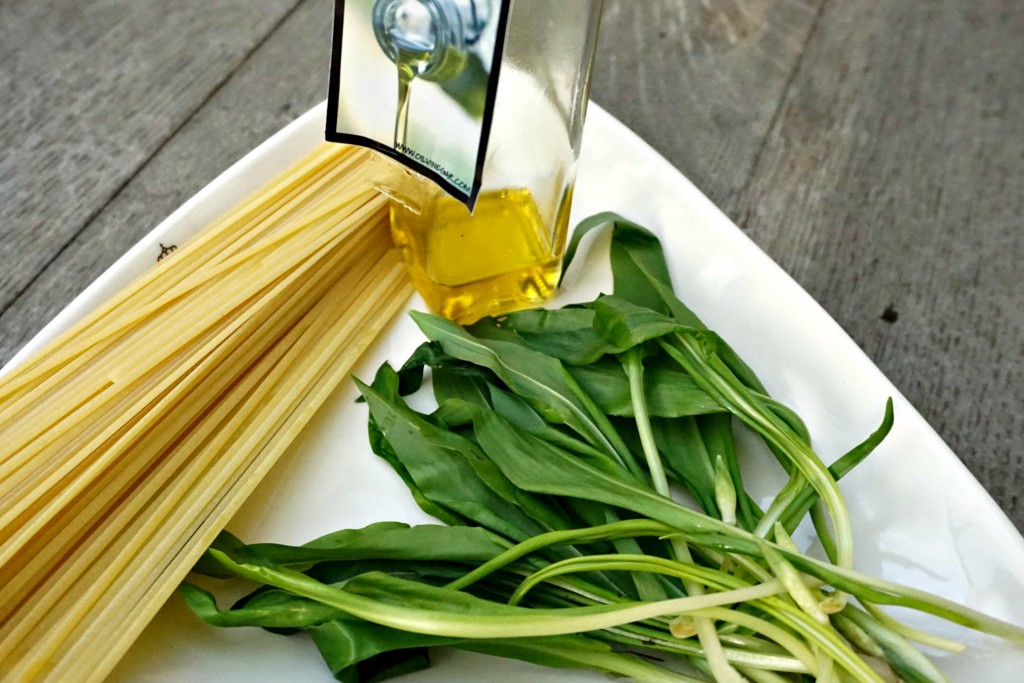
{"x":276,"y":83}
{"x":890,"y":187}
{"x":701,"y":80}
{"x":89,"y":91}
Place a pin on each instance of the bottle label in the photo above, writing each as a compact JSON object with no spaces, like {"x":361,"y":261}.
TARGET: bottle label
{"x":416,"y":81}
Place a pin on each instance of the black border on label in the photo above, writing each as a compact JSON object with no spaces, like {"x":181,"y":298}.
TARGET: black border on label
{"x":331,"y":133}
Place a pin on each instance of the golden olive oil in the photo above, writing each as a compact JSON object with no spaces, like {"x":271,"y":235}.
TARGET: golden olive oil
{"x":412,"y":64}
{"x":405,"y":78}
{"x":466,"y":266}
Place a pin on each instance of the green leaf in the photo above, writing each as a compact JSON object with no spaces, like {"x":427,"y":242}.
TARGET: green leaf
{"x":357,"y":651}
{"x":669,"y":391}
{"x":429,"y":354}
{"x":538,"y":378}
{"x":565,"y":333}
{"x":641,"y":276}
{"x":625,"y":325}
{"x":269,"y":609}
{"x":533,"y":375}
{"x":389,"y":541}
{"x":433,"y":572}
{"x":410,"y":375}
{"x":453,"y":413}
{"x":435,"y":459}
{"x":449,"y":384}
{"x":516,"y":411}
{"x":538,"y":466}
{"x":582,"y":229}
{"x":638,"y":265}
{"x":686,"y":457}
{"x":382,"y":448}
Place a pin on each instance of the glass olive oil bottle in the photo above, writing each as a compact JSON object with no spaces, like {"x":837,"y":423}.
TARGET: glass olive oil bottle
{"x":505,"y":253}
{"x":502,"y":257}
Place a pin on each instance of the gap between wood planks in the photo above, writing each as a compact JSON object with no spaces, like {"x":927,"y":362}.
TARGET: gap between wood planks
{"x":145,"y":162}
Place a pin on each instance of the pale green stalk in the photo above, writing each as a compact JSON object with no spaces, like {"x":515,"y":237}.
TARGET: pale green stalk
{"x":911,"y":633}
{"x":646,"y":563}
{"x":621,"y":529}
{"x":722,"y":671}
{"x":795,"y":586}
{"x":780,"y":504}
{"x":769,"y":630}
{"x":725,"y":491}
{"x":826,"y":672}
{"x":501,"y":624}
{"x":805,"y":461}
{"x":760,"y":676}
{"x":905,"y":659}
{"x":821,"y":636}
{"x":776,"y":607}
{"x":875,"y":590}
{"x":648,"y":638}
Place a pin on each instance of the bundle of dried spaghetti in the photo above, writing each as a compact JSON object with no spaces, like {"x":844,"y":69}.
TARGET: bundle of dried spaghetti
{"x":127,"y":444}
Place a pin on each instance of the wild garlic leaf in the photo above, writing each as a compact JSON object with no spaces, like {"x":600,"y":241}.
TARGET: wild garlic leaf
{"x":451,"y":384}
{"x":357,"y":651}
{"x":269,"y":609}
{"x":536,"y":377}
{"x":389,"y":541}
{"x":445,"y":466}
{"x":565,"y":333}
{"x":641,"y":276}
{"x":685,"y":456}
{"x":626,"y":325}
{"x":669,"y":391}
{"x":538,"y":466}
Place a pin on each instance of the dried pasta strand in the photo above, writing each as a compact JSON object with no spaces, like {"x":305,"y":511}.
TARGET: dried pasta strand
{"x":83,"y":512}
{"x":125,"y":373}
{"x":164,"y":275}
{"x":126,"y":445}
{"x":136,"y":592}
{"x":81,"y":454}
{"x":227,"y":299}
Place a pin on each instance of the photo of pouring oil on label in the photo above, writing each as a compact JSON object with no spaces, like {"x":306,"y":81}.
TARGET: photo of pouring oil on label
{"x":416,"y":80}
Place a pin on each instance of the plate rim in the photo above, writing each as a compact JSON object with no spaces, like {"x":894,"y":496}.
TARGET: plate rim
{"x":260,"y":164}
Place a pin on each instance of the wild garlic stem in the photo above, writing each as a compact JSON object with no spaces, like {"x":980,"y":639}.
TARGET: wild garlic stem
{"x":722,"y":671}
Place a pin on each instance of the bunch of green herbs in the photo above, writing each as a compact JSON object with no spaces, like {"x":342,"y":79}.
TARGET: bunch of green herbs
{"x":559,"y":440}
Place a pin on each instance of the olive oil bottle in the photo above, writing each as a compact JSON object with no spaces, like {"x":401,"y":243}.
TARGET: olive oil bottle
{"x":502,"y":257}
{"x":505,"y":252}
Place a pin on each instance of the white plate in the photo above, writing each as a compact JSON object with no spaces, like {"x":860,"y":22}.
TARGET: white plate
{"x":919,"y":516}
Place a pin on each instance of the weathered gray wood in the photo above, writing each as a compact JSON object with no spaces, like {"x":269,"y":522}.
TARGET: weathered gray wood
{"x":893,"y":177}
{"x":281,"y":79}
{"x":701,"y":80}
{"x":747,"y":49}
{"x":89,"y":91}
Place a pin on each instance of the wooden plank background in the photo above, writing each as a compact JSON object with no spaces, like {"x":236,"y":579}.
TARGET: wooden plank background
{"x":875,"y":149}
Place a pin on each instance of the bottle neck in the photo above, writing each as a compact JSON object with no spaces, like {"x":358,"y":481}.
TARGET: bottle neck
{"x":429,"y":38}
